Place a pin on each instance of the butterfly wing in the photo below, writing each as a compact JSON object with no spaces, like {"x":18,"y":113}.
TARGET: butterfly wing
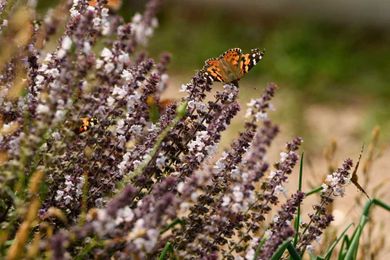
{"x":213,"y":70}
{"x":249,"y":60}
{"x":232,"y":56}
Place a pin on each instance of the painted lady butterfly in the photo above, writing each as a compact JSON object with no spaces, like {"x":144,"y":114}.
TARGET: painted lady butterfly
{"x":232,"y":65}
{"x":86,"y":124}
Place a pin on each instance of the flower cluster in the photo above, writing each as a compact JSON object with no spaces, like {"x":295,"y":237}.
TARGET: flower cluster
{"x":321,"y":218}
{"x":125,"y":174}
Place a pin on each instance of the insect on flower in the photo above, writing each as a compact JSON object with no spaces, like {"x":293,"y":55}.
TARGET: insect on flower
{"x":232,"y":65}
{"x":86,"y":124}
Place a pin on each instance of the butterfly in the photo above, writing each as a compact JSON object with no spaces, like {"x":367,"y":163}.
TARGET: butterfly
{"x":86,"y":124}
{"x":232,"y":65}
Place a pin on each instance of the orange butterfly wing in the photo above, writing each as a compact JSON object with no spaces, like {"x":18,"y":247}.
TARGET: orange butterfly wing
{"x":213,"y":69}
{"x":232,"y":56}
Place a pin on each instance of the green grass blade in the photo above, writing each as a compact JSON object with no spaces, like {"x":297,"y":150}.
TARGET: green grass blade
{"x":313,"y":191}
{"x":334,"y":244}
{"x":354,"y":246}
{"x":293,"y":251}
{"x":381,"y":204}
{"x":258,"y":248}
{"x":345,"y":244}
{"x":168,"y":248}
{"x":298,"y":217}
{"x":279,"y":252}
{"x":172,"y":224}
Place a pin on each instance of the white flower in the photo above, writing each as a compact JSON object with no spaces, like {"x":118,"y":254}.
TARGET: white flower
{"x":39,"y":79}
{"x":310,"y":249}
{"x":136,"y":129}
{"x":198,"y":144}
{"x":99,"y":63}
{"x":120,"y":92}
{"x":106,"y":28}
{"x":279,"y":189}
{"x":66,"y":43}
{"x":109,"y":67}
{"x":225,"y":201}
{"x":119,"y":126}
{"x":59,"y":195}
{"x":86,"y":47}
{"x":110,"y":101}
{"x":126,"y":75}
{"x":106,"y":54}
{"x":252,"y":103}
{"x":96,"y":22}
{"x":183,"y":88}
{"x":154,"y":22}
{"x":160,"y":161}
{"x":59,"y":115}
{"x":268,"y":233}
{"x":124,"y":215}
{"x":283,"y":156}
{"x":43,"y":109}
{"x":220,"y":165}
{"x":124,"y":58}
{"x":137,"y":18}
{"x":238,"y":196}
{"x":164,"y":77}
{"x":194,"y":196}
{"x":56,"y":135}
{"x":105,"y":12}
{"x":210,"y":149}
{"x":272,"y":174}
{"x":250,"y":254}
{"x":248,"y":112}
{"x":261,"y":116}
{"x":180,"y":187}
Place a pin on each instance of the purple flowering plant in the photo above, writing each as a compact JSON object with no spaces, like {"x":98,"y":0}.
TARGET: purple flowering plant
{"x":93,"y":165}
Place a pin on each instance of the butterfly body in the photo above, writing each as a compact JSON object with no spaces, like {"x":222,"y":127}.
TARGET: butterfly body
{"x":232,"y":65}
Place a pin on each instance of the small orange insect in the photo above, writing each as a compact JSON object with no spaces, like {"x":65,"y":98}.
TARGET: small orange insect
{"x":86,"y":124}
